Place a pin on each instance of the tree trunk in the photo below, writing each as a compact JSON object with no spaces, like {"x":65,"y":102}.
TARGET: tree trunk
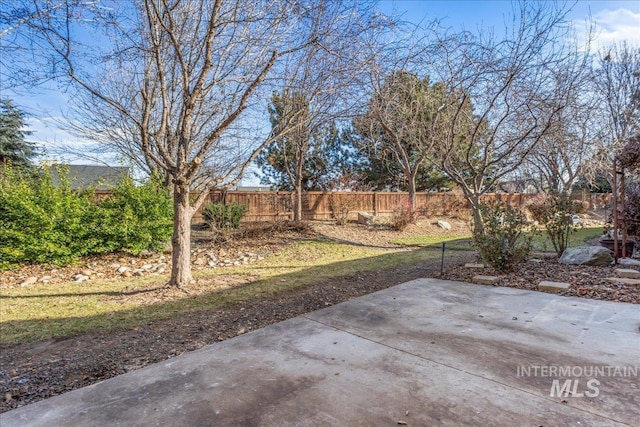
{"x":297,"y":214}
{"x":412,"y":192}
{"x":181,"y":240}
{"x":478,"y":221}
{"x":297,"y":211}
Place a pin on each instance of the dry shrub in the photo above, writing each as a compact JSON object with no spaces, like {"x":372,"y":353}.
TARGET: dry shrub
{"x":340,"y":208}
{"x":403,"y":215}
{"x":454,"y":205}
{"x":255,"y":230}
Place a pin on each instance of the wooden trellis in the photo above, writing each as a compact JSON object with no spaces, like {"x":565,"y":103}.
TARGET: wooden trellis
{"x":618,"y":211}
{"x":628,"y":159}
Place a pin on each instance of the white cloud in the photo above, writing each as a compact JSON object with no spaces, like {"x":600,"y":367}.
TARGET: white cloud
{"x":60,"y":145}
{"x":613,"y":26}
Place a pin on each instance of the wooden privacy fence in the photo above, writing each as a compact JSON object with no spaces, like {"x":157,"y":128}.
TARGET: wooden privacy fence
{"x":318,"y":205}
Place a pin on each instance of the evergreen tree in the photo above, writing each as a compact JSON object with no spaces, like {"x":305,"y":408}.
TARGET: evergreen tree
{"x":330,"y":162}
{"x":404,"y":121}
{"x":14,"y":148}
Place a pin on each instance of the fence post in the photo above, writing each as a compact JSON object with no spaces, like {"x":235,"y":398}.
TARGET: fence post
{"x":375,"y":203}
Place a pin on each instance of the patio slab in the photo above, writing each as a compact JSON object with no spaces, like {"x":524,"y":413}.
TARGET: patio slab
{"x":427,"y":352}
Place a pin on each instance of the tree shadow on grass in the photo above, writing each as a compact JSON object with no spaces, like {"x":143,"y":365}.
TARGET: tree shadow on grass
{"x":82,"y":294}
{"x":31,"y":330}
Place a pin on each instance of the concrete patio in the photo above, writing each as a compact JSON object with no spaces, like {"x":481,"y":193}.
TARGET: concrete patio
{"x":424,"y":353}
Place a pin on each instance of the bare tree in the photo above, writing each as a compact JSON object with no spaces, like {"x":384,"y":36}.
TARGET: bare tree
{"x":315,"y":95}
{"x":511,"y":83}
{"x":402,"y":122}
{"x":564,"y":153}
{"x":616,"y":82}
{"x":174,"y":83}
{"x":21,"y":52}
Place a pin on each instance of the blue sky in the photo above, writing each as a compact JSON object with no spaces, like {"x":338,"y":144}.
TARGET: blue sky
{"x":615,"y":21}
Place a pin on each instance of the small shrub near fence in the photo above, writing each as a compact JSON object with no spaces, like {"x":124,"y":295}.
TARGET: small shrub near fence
{"x":403,"y":215}
{"x":220,"y":217}
{"x":555,"y":214}
{"x":340,"y":207}
{"x":503,"y":244}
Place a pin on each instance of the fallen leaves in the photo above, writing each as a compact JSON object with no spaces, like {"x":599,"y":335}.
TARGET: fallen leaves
{"x":586,"y":281}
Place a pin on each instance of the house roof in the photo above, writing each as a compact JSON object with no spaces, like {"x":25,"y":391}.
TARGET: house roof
{"x":90,"y":176}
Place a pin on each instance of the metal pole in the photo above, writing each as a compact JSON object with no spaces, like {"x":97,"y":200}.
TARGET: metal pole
{"x":623,"y":217}
{"x":442,"y":259}
{"x":614,"y":212}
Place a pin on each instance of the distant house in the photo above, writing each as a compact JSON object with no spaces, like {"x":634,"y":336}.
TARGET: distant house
{"x":90,"y":176}
{"x":253,"y":188}
{"x":516,"y":186}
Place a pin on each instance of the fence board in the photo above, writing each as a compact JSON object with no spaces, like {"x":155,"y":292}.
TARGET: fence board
{"x":318,"y":205}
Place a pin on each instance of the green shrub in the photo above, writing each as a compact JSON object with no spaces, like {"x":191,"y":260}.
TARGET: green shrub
{"x":503,"y":244}
{"x":219,"y":216}
{"x":41,"y":222}
{"x":555,"y":214}
{"x":134,"y":218}
{"x":47,"y":223}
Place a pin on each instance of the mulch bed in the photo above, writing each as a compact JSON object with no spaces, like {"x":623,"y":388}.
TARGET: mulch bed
{"x":585,"y":281}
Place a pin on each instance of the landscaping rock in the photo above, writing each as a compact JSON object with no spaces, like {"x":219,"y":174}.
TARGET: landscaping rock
{"x":627,"y":272}
{"x":553,"y":286}
{"x":485,"y":280}
{"x":628,"y":262}
{"x":123,"y":269}
{"x":473,"y":265}
{"x":29,"y":281}
{"x":444,"y":225}
{"x":78,"y":278}
{"x":587,"y":255}
{"x":365,"y":218}
{"x":624,"y":280}
{"x":145,"y":253}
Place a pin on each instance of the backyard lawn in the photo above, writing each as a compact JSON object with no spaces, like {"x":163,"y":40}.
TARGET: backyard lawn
{"x":462,"y":241}
{"x":55,"y":310}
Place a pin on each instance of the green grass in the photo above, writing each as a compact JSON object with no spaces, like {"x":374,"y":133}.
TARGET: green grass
{"x":463,"y":242}
{"x":542,"y":243}
{"x":60,"y":310}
